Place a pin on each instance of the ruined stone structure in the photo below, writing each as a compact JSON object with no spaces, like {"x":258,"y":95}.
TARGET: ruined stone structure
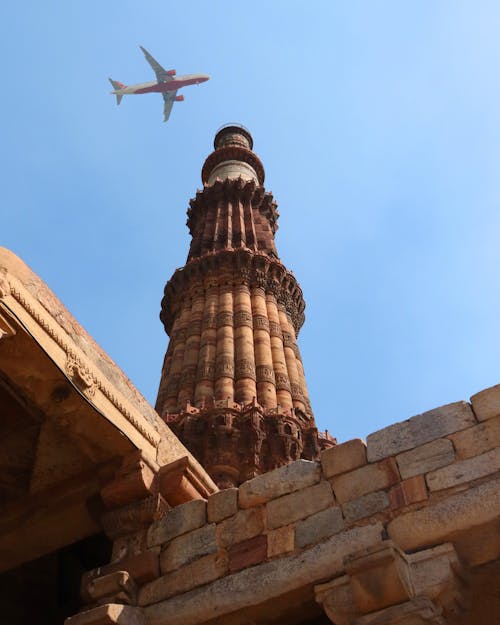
{"x":107,"y":519}
{"x":233,"y":386}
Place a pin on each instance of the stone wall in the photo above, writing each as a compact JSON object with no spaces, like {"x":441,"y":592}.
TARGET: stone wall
{"x":417,"y":506}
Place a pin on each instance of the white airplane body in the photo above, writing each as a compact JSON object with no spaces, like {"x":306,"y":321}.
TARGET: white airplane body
{"x":167,"y":84}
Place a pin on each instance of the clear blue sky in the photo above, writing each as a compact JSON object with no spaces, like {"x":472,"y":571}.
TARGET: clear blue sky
{"x":379,"y":127}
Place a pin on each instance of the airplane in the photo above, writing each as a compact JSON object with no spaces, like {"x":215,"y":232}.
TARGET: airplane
{"x":167,"y":83}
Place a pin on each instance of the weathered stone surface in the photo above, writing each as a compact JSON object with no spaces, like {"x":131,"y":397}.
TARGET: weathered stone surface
{"x":418,"y":611}
{"x":188,"y":547}
{"x":197,"y":573}
{"x":245,"y":524}
{"x":344,"y":457}
{"x":319,"y":526}
{"x":365,"y":506}
{"x":425,"y":458}
{"x":280,"y":541}
{"x":142,"y":567}
{"x":222,"y":505}
{"x":108,"y":615}
{"x":486,"y":404}
{"x":419,"y":430}
{"x":408,"y":491}
{"x":438,"y":522}
{"x":464,"y":471}
{"x":279,"y":482}
{"x":299,"y":505}
{"x":478,"y":439}
{"x":247,"y":553}
{"x":180,"y":520}
{"x":365,"y":480}
{"x":264,"y":582}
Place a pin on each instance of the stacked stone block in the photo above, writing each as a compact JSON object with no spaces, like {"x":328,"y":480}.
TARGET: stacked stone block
{"x":431,"y":480}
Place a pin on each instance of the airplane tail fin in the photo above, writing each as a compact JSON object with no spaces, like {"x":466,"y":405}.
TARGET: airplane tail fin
{"x":117,"y":86}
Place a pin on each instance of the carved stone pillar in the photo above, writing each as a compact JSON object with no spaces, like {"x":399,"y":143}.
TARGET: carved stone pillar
{"x":266,"y":384}
{"x":244,"y":358}
{"x":283,"y":391}
{"x":224,"y":363}
{"x":205,"y":375}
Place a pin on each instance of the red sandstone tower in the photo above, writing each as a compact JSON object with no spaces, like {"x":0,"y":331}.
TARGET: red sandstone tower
{"x":232,"y":385}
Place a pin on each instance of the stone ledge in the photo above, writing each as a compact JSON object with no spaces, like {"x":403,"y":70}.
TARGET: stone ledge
{"x":263,"y":582}
{"x":419,"y":430}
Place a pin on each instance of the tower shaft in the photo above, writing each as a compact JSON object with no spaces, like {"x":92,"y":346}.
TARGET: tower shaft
{"x":233,"y":386}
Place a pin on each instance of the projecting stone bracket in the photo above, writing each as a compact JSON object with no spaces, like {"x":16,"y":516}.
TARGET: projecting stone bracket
{"x":384,"y":586}
{"x":117,"y":587}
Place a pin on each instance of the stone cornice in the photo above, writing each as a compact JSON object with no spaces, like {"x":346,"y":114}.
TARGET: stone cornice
{"x":232,"y":267}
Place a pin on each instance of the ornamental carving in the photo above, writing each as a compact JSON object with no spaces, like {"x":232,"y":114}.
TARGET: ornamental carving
{"x":265,"y":373}
{"x":296,"y":391}
{"x":224,"y":318}
{"x":245,"y":369}
{"x":81,"y":375}
{"x":172,"y":385}
{"x":282,"y":382}
{"x":206,"y":370}
{"x":209,"y":321}
{"x":242,"y":318}
{"x":194,"y":328}
{"x":224,"y":367}
{"x":261,"y":322}
{"x":288,"y":340}
{"x":275,"y":329}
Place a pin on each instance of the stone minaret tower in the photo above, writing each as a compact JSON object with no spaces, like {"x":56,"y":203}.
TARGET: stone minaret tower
{"x":232,"y":385}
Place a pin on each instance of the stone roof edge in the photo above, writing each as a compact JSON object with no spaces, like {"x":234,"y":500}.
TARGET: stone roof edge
{"x":82,"y":360}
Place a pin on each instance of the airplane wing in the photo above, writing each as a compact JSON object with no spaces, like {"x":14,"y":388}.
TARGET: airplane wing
{"x":160,"y":72}
{"x":169,"y":98}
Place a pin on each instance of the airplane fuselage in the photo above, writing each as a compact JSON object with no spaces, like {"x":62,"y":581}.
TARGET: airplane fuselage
{"x":162,"y":87}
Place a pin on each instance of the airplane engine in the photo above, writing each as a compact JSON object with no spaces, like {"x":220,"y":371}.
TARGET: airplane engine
{"x":171,"y":72}
{"x":179,"y":98}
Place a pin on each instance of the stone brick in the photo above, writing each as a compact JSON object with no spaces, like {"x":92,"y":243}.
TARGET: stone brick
{"x":222,"y":505}
{"x":486,"y":404}
{"x":244,"y":524}
{"x":247,"y":553}
{"x":365,"y":506}
{"x":188,"y":547}
{"x":344,"y":457}
{"x":299,"y":505}
{"x":365,"y":480}
{"x":281,"y":540}
{"x":426,"y":458}
{"x":201,"y":571}
{"x":142,"y":568}
{"x":442,"y":520}
{"x":279,"y":482}
{"x":478,"y":439}
{"x":419,"y":430}
{"x":319,"y":526}
{"x":269,"y":581}
{"x":409,"y":491}
{"x":180,"y":520}
{"x":464,"y":471}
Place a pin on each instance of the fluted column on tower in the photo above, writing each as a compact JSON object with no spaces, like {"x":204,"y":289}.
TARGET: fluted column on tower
{"x":233,"y":386}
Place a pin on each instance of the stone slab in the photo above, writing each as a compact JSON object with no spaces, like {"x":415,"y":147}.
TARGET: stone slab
{"x":188,"y":547}
{"x":365,"y":506}
{"x":319,"y":526}
{"x":299,"y":505}
{"x":247,"y":553}
{"x":425,"y":458}
{"x":364,"y":480}
{"x":486,"y":404}
{"x":281,"y":540}
{"x":442,"y":520}
{"x":197,"y":573}
{"x":264,"y":582}
{"x":180,"y":520}
{"x":478,"y":439}
{"x":419,"y":430}
{"x":343,"y":457}
{"x":243,"y":525}
{"x":222,"y":505}
{"x":464,"y":471}
{"x":408,"y":491}
{"x":287,"y":479}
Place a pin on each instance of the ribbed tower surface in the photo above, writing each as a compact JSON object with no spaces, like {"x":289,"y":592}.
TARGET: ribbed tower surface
{"x":232,"y":386}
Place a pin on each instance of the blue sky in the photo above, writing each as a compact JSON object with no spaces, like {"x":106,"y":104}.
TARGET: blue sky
{"x":378,"y":124}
